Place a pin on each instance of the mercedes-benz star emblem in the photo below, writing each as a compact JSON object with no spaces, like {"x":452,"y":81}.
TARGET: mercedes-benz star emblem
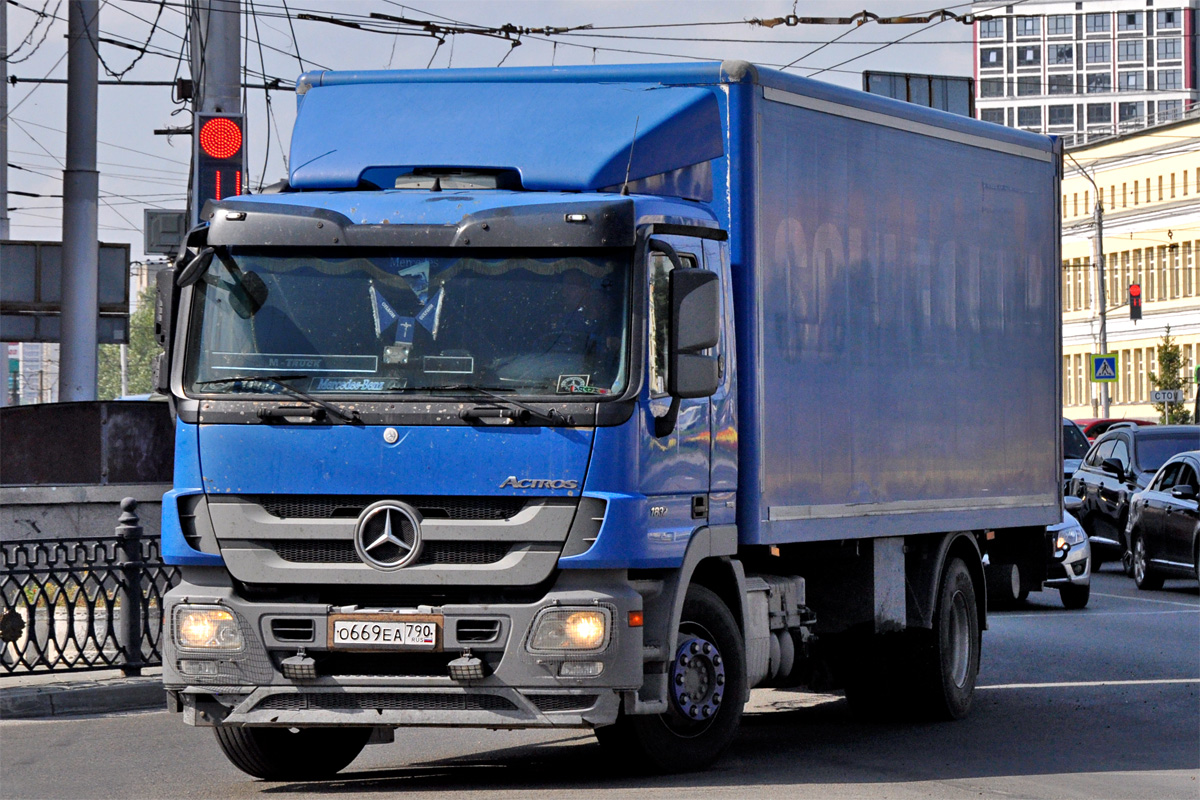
{"x":388,"y":535}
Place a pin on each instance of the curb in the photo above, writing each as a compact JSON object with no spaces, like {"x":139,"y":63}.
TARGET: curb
{"x":91,"y":697}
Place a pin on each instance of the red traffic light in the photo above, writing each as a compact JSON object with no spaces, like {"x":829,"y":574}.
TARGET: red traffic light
{"x":1135,"y":290}
{"x":1135,"y":301}
{"x":221,"y":137}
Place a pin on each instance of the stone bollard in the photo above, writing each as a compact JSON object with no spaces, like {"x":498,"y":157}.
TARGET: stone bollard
{"x":129,"y":591}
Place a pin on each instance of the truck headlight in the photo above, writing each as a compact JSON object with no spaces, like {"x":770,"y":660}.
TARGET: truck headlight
{"x":570,"y":629}
{"x":207,"y":628}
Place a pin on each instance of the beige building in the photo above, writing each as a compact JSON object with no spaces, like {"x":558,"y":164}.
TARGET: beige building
{"x":1149,"y":186}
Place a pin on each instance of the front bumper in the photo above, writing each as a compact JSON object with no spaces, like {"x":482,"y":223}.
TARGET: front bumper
{"x":520,"y":689}
{"x":1075,"y":569}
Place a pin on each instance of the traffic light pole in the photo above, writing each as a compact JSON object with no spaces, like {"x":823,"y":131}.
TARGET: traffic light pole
{"x":1098,"y":247}
{"x":81,"y":185}
{"x":216,"y":64}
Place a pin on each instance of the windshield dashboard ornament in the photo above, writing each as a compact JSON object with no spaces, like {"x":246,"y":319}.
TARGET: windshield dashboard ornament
{"x":388,"y":535}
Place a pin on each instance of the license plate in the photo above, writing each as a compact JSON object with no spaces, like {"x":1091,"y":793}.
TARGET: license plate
{"x":385,"y":632}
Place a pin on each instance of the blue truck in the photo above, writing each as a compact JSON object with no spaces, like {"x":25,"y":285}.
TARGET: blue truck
{"x":593,"y":397}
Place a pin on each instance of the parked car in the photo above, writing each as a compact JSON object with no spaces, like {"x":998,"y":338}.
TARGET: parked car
{"x":1164,"y":524}
{"x":1075,"y":447}
{"x":1121,"y":462}
{"x":1094,"y":427}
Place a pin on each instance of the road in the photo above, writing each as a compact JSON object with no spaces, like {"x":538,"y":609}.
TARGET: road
{"x":1099,"y":703}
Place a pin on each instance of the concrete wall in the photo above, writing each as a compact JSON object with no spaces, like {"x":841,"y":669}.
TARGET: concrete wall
{"x":50,"y":512}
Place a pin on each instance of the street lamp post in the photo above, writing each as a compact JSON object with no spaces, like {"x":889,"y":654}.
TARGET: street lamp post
{"x":1098,"y":257}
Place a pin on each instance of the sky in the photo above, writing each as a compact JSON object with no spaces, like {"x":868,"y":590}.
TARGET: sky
{"x":139,"y":169}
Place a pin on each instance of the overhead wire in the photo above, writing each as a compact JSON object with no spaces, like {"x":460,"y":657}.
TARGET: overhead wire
{"x":40,"y":16}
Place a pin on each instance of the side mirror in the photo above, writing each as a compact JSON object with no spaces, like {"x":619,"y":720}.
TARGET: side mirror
{"x":1113,"y":467}
{"x":695,"y":327}
{"x":1183,"y":492}
{"x":195,"y":268}
{"x":165,"y":296}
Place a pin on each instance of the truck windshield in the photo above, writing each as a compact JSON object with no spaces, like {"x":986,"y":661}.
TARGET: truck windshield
{"x":365,"y":323}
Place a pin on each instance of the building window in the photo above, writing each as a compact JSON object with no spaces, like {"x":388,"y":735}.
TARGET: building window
{"x":1059,"y":25}
{"x":1099,"y":113}
{"x":1170,"y":49}
{"x":1029,"y":117}
{"x":1098,"y":23}
{"x":1029,"y":56}
{"x":1062,"y":84}
{"x":1170,"y":80}
{"x":1129,"y":112}
{"x":1130,"y":81}
{"x":1028,"y":85}
{"x":1129,"y":21}
{"x":1099,"y":82}
{"x":1169,"y":20}
{"x":1061,"y":115}
{"x":1170,"y":110}
{"x":1062,"y":54}
{"x":991,"y":87}
{"x":1029,"y":26}
{"x":991,"y":57}
{"x":1129,"y":50}
{"x":1099,"y":52}
{"x":991,"y":29}
{"x":995,"y":115}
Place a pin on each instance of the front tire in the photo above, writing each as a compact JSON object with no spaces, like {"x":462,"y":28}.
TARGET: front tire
{"x":1074,"y":596}
{"x":707,"y":691}
{"x":1143,"y":574}
{"x":286,"y":754}
{"x":952,"y":660}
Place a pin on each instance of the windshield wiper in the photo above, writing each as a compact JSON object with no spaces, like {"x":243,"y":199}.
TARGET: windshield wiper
{"x":552,"y":416}
{"x":277,"y":381}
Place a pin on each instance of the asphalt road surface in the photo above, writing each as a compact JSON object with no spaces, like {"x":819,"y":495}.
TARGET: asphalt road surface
{"x":1099,"y":703}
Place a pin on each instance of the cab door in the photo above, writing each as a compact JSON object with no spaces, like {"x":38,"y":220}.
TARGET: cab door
{"x":674,"y":468}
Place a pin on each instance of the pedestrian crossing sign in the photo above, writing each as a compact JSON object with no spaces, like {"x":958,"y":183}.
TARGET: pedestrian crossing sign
{"x":1104,"y":368}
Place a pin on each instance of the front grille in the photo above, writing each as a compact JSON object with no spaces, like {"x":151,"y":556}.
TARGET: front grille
{"x":563,"y":702}
{"x":479,"y":509}
{"x":396,"y":665}
{"x":293,"y":630}
{"x":358,"y":701}
{"x":435,"y":552}
{"x":474,"y":631}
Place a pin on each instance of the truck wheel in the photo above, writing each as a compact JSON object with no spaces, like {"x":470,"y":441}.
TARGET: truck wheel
{"x":706,"y":688}
{"x":1143,"y":574}
{"x":1074,"y":596}
{"x":953,"y":659}
{"x":277,"y":754}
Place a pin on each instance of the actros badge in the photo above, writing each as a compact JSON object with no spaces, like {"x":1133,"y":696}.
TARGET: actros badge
{"x":388,"y":535}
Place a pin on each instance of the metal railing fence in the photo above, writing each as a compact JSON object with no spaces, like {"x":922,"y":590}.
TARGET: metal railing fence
{"x":84,"y":603}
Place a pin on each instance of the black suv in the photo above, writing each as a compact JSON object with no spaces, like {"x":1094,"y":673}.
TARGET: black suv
{"x":1121,"y":462}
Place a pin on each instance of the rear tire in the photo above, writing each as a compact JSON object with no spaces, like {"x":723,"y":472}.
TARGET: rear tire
{"x":1074,"y":596}
{"x":1143,"y":574}
{"x":283,"y":754}
{"x":707,"y":691}
{"x":952,"y":661}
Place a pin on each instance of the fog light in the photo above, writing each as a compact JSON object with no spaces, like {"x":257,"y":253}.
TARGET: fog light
{"x":192,"y":666}
{"x":570,"y":629}
{"x":467,"y":668}
{"x":300,"y":667}
{"x":207,"y":628}
{"x":580,"y":669}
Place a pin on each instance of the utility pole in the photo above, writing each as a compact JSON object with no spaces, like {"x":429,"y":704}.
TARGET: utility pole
{"x":1098,"y":247}
{"x":81,"y":183}
{"x":216,"y":63}
{"x":4,"y":231}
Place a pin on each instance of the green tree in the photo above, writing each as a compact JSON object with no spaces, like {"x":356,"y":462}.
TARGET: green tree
{"x":142,"y":350}
{"x":1170,"y":375}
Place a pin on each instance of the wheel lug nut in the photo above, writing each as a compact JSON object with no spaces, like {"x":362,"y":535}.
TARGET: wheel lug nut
{"x":695,"y":648}
{"x":716,"y":699}
{"x":692,"y":711}
{"x":707,"y":711}
{"x":716,"y":660}
{"x":708,"y":648}
{"x":683,"y":661}
{"x":683,"y":698}
{"x":720,"y":680}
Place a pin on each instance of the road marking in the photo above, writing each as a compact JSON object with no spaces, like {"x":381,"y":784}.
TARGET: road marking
{"x":1147,"y":600}
{"x":1080,"y":684}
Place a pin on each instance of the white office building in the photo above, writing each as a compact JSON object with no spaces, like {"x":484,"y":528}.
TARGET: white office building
{"x":1089,"y":69}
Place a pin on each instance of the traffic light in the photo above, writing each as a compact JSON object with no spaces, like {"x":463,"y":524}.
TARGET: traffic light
{"x":1135,"y":301}
{"x":219,"y":159}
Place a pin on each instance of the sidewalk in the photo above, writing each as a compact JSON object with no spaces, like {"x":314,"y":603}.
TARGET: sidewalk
{"x":71,"y":693}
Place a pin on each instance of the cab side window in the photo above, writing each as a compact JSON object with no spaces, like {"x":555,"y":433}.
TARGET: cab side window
{"x":660,"y":315}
